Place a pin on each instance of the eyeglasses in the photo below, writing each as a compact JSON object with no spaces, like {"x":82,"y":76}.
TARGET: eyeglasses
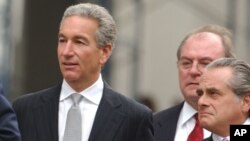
{"x":188,"y":64}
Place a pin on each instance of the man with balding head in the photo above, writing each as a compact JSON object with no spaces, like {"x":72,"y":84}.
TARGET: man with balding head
{"x":197,"y":49}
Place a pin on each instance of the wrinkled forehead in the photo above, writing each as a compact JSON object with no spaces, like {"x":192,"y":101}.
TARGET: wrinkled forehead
{"x":216,"y":76}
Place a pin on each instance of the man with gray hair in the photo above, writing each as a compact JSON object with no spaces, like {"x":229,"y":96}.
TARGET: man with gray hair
{"x":198,"y":48}
{"x":83,"y":107}
{"x":224,"y":97}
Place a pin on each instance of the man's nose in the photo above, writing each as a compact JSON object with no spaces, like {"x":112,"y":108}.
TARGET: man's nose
{"x":196,"y":68}
{"x":68,"y":49}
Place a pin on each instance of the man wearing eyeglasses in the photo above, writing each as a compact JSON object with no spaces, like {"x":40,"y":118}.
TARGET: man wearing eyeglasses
{"x":198,"y":49}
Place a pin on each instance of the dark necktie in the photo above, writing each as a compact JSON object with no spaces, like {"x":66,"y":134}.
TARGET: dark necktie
{"x":197,"y":133}
{"x":73,"y":128}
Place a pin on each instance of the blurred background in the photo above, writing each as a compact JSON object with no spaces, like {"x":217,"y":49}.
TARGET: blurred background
{"x":143,"y":64}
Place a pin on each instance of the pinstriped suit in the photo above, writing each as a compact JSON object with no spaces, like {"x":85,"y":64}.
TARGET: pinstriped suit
{"x":117,"y":119}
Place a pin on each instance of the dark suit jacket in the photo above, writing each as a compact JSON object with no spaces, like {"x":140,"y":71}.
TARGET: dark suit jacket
{"x":165,"y":123}
{"x":8,"y":123}
{"x":117,"y":119}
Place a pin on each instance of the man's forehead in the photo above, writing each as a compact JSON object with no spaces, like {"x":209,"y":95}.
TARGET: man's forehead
{"x":212,"y":76}
{"x":200,"y":58}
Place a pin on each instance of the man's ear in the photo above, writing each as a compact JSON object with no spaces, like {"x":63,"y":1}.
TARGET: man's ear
{"x":106,"y":53}
{"x":246,"y":102}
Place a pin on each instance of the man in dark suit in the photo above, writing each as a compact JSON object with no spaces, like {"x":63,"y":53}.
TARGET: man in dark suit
{"x":224,"y":97}
{"x":8,"y":123}
{"x":198,"y":49}
{"x":85,"y":42}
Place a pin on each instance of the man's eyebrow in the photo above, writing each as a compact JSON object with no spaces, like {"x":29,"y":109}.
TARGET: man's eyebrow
{"x":212,"y":89}
{"x":206,"y":58}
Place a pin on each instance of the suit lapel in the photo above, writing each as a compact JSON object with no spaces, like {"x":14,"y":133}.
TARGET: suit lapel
{"x":46,"y":115}
{"x":108,"y":117}
{"x":173,"y":122}
{"x":168,"y":127}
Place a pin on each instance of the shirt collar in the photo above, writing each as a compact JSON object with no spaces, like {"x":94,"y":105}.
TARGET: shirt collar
{"x":247,"y":122}
{"x":92,"y":93}
{"x":219,"y":138}
{"x":187,"y":113}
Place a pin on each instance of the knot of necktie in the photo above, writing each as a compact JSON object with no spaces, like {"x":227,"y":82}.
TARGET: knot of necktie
{"x":76,"y":99}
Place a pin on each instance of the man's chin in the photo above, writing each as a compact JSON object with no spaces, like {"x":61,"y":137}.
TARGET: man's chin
{"x":191,"y":93}
{"x":192,"y":99}
{"x":191,"y":90}
{"x":70,"y":77}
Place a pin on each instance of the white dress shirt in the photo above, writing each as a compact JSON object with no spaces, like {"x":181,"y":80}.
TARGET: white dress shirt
{"x":186,"y":123}
{"x":219,"y":138}
{"x":88,"y":105}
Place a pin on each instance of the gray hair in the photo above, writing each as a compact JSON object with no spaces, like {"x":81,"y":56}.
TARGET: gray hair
{"x":107,"y":27}
{"x":222,"y":32}
{"x":240,"y":80}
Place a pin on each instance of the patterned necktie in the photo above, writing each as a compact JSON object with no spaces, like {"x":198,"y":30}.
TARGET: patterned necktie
{"x":73,"y":128}
{"x":197,"y":133}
